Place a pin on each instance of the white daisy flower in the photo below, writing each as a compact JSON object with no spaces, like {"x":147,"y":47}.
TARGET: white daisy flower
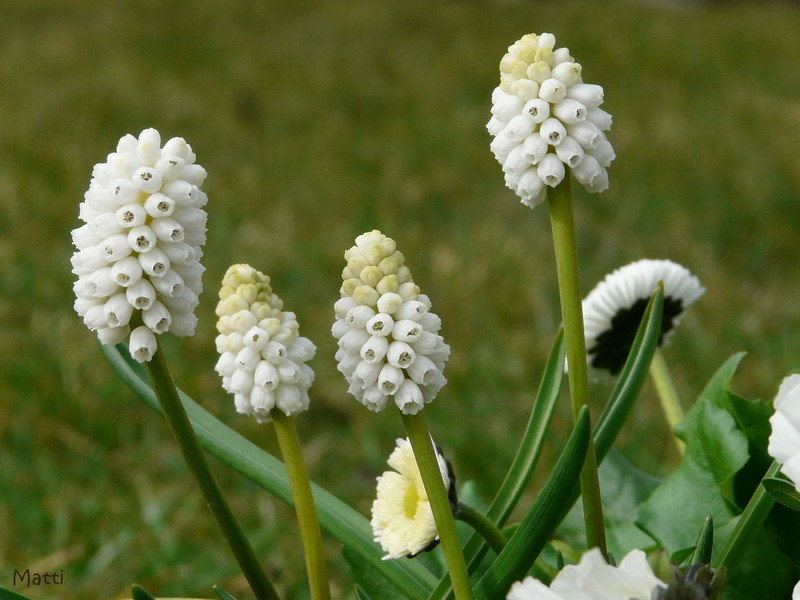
{"x":546,"y":121}
{"x":593,"y":578}
{"x":141,"y":244}
{"x":389,"y":345}
{"x":784,"y":441}
{"x":613,"y":309}
{"x":402,"y":520}
{"x":262,"y":356}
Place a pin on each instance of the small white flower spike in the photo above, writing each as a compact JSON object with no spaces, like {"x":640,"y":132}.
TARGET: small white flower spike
{"x":593,"y":577}
{"x":613,"y":309}
{"x":389,"y":345}
{"x":784,"y":441}
{"x":262,"y":356}
{"x":140,"y":247}
{"x":543,"y":114}
{"x":402,"y":520}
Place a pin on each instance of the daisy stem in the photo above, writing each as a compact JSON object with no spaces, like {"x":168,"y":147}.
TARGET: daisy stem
{"x":670,"y":403}
{"x":425,"y":455}
{"x":175,"y":414}
{"x":569,"y":288}
{"x":749,"y":521}
{"x":481,"y":523}
{"x":289,"y":442}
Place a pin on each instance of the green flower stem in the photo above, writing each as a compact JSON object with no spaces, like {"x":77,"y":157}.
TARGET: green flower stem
{"x":175,"y":414}
{"x":670,"y":403}
{"x":481,"y":523}
{"x":569,"y":288}
{"x":289,"y":441}
{"x":749,"y":521}
{"x":425,"y":455}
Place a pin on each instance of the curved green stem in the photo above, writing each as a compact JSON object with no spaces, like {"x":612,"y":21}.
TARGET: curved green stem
{"x":751,"y":519}
{"x":569,"y":288}
{"x":667,"y":394}
{"x":167,"y":394}
{"x":428,"y":464}
{"x":481,"y":523}
{"x":289,"y":441}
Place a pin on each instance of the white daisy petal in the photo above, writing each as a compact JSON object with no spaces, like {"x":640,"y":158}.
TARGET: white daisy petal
{"x":784,"y":441}
{"x":402,"y":519}
{"x":613,"y":309}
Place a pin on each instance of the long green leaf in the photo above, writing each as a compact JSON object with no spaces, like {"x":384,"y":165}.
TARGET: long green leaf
{"x":7,"y":594}
{"x":629,"y":384}
{"x":336,"y":517}
{"x":541,"y":520}
{"x":524,"y":463}
{"x":632,"y":377}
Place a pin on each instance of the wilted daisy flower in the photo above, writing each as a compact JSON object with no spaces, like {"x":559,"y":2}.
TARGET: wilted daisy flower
{"x":594,"y":578}
{"x":784,"y":442}
{"x":140,"y":246}
{"x":389,"y":346}
{"x":546,"y":121}
{"x":402,"y":520}
{"x":613,"y":310}
{"x":262,"y":356}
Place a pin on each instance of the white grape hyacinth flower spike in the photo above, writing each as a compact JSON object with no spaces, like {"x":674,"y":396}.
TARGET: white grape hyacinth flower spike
{"x":138,"y":252}
{"x":390,"y":349}
{"x":262,"y":355}
{"x":546,"y":122}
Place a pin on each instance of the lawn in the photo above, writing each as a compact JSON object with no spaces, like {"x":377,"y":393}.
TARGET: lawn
{"x":318,"y":121}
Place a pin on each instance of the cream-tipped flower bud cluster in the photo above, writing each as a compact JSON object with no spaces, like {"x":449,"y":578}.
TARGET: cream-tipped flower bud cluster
{"x":262,"y":356}
{"x":389,"y":345}
{"x":546,"y":120}
{"x":140,"y":246}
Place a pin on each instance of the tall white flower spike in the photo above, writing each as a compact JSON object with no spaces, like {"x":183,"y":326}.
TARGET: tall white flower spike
{"x":784,"y":441}
{"x":262,"y":356}
{"x":389,"y":345}
{"x":138,"y":252}
{"x":546,"y":120}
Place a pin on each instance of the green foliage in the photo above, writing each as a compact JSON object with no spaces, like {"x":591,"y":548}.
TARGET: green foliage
{"x":6,"y":594}
{"x":541,"y":519}
{"x":702,"y":486}
{"x":139,"y":593}
{"x":783,"y":491}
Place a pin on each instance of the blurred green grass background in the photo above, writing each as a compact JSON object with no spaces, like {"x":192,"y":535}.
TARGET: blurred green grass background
{"x":317,"y":121}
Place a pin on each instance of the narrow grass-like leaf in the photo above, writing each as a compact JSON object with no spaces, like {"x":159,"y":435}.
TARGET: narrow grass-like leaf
{"x":705,"y":542}
{"x":7,"y":594}
{"x":632,"y":377}
{"x":782,"y":491}
{"x":223,"y":595}
{"x":541,"y":520}
{"x":521,"y":469}
{"x":139,"y":593}
{"x":336,"y":517}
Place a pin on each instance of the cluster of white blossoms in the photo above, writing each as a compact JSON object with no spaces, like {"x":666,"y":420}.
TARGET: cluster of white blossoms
{"x":545,"y":119}
{"x":784,"y":441}
{"x":140,"y":246}
{"x":402,"y":519}
{"x":389,"y":346}
{"x":594,"y":578}
{"x":614,"y":308}
{"x":262,"y":356}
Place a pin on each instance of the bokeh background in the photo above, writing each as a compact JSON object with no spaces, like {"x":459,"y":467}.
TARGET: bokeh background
{"x":317,"y":121}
